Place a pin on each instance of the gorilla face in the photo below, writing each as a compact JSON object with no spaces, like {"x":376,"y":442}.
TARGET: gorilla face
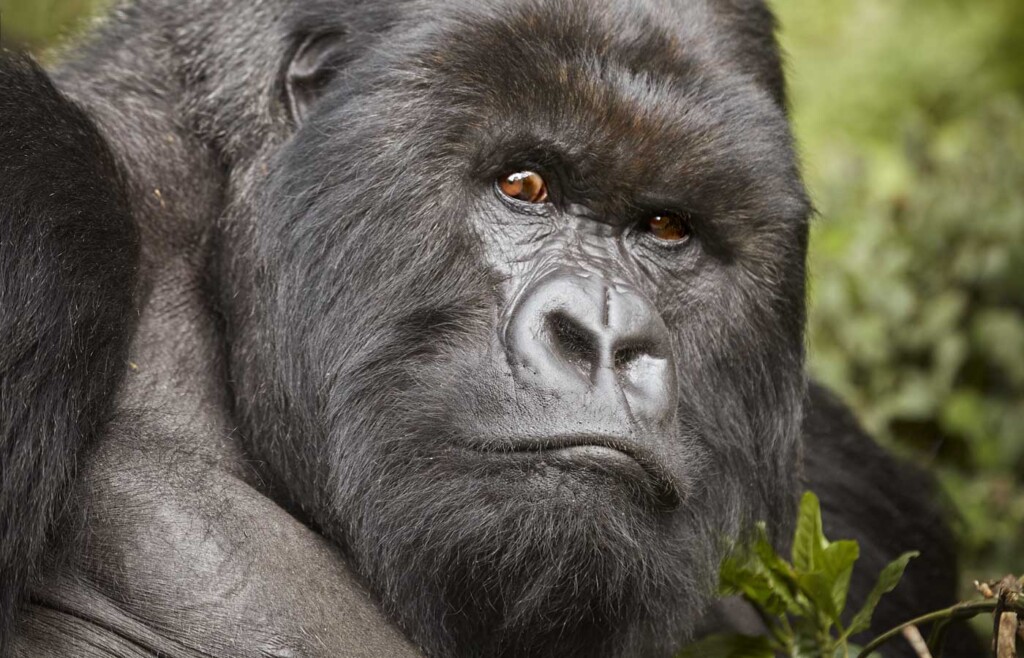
{"x":516,"y":314}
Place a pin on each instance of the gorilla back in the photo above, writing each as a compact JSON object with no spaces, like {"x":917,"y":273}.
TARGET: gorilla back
{"x":471,"y":328}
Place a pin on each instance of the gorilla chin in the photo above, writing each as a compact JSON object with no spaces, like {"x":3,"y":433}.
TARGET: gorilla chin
{"x":575,"y":551}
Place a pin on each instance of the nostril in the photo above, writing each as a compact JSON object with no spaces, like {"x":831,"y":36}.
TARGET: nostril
{"x":574,"y":342}
{"x":625,"y":355}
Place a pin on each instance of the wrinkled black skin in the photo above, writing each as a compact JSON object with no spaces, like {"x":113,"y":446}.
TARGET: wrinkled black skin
{"x":327,"y":440}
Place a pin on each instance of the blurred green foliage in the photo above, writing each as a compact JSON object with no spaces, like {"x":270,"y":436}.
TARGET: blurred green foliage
{"x":910,"y":116}
{"x":37,"y":24}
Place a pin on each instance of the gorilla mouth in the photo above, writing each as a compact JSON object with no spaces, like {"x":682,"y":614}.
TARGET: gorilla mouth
{"x":605,"y":454}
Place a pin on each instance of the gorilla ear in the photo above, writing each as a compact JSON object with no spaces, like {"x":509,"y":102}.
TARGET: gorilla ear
{"x":312,"y":67}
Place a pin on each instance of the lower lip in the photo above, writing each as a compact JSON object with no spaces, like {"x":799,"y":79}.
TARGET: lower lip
{"x":600,"y":459}
{"x":597,"y":456}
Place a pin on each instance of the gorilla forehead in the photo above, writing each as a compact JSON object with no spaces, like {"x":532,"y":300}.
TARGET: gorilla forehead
{"x":633,"y":71}
{"x":642,"y":103}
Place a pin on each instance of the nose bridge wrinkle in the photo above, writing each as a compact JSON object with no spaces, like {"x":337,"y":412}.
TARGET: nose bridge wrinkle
{"x":606,"y":305}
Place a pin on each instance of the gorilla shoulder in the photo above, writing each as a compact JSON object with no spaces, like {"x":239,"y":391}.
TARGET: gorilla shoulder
{"x":68,"y":258}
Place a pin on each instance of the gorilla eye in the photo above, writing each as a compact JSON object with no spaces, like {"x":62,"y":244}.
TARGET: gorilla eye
{"x":525,"y":186}
{"x":671,"y":228}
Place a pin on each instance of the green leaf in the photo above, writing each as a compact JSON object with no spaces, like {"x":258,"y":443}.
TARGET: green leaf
{"x":805,"y":640}
{"x":887,"y":581}
{"x":829,"y":584}
{"x":854,"y":650}
{"x":781,"y":576}
{"x":758,"y":573}
{"x":765,"y":553}
{"x":746,"y":575}
{"x":840,"y":557}
{"x":729,"y":646}
{"x":809,"y":540}
{"x":818,"y":590}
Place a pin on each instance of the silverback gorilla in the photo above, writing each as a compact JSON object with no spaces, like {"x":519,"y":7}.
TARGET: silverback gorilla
{"x":401,"y":327}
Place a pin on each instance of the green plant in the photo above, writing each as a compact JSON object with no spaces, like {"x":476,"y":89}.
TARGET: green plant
{"x":800,"y":600}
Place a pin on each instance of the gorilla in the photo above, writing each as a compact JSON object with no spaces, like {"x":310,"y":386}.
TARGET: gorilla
{"x":413,"y":327}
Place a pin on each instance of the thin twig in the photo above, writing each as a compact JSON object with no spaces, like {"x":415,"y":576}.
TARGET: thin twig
{"x":938,"y":635}
{"x":916,"y":640}
{"x":1006,"y":640}
{"x":997,"y":618}
{"x":958,"y":611}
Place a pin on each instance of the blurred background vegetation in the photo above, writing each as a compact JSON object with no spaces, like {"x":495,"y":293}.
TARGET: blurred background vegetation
{"x":910,"y":117}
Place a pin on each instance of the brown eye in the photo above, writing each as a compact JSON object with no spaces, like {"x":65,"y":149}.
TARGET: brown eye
{"x":668,"y":227}
{"x":525,"y":186}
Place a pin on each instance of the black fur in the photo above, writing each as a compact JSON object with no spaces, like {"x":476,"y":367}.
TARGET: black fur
{"x":327,"y":275}
{"x":68,"y":257}
{"x":890,"y":508}
{"x":467,"y":559}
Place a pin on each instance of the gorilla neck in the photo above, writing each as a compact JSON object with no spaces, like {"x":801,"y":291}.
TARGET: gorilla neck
{"x":177,"y":186}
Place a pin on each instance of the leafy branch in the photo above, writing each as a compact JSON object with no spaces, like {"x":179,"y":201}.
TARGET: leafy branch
{"x":802,"y":601}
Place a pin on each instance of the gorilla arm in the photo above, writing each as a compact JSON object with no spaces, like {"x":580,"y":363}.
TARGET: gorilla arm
{"x":164,"y":545}
{"x":176,"y":552}
{"x":183,"y":559}
{"x":68,"y":253}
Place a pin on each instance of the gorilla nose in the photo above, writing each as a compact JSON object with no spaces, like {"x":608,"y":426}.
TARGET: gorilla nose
{"x":577,"y":331}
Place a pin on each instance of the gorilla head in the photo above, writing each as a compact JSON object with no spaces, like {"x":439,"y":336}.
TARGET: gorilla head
{"x":514,"y":299}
